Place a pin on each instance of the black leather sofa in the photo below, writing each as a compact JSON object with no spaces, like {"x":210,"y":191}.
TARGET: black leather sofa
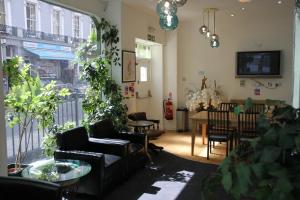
{"x":107,"y":158}
{"x":137,"y":157}
{"x":16,"y":188}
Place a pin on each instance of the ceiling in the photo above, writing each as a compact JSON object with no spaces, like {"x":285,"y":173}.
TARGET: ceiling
{"x":193,"y":8}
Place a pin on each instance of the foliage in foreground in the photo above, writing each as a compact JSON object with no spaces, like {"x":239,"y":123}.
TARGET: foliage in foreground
{"x":103,"y":97}
{"x":266,"y":168}
{"x":27,"y":100}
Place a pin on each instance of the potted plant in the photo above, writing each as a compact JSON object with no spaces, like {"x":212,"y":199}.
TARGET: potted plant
{"x":49,"y":144}
{"x":267,"y":167}
{"x":27,"y":100}
{"x":103,"y":97}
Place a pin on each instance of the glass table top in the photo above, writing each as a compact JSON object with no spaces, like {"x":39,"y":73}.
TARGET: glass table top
{"x":57,"y":171}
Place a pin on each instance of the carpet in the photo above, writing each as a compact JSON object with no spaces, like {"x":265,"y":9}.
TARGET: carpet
{"x":170,"y":178}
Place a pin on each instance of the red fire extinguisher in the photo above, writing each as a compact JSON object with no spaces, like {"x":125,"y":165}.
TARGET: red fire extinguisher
{"x":168,"y":109}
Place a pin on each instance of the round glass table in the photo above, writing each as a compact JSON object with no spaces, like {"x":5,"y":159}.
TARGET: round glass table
{"x":140,"y":126}
{"x":64,"y":172}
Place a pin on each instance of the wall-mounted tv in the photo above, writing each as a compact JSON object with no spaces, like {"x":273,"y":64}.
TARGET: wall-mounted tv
{"x":258,"y":64}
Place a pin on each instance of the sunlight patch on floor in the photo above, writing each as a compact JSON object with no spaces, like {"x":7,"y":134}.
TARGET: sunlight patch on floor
{"x":169,"y":187}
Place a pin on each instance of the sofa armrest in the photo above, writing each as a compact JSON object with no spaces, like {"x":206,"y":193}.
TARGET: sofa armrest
{"x":79,"y":155}
{"x":140,"y":138}
{"x":109,"y":146}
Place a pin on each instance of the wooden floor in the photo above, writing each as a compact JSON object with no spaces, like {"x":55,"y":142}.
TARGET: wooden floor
{"x":180,"y":145}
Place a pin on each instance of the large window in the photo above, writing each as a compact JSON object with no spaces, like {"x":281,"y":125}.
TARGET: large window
{"x":31,"y":16}
{"x":56,"y":23}
{"x":45,"y":40}
{"x":76,"y":26}
{"x":2,"y":12}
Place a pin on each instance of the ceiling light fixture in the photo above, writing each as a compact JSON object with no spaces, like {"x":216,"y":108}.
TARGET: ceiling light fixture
{"x":167,"y":9}
{"x":204,"y":30}
{"x":180,"y":3}
{"x":245,"y":1}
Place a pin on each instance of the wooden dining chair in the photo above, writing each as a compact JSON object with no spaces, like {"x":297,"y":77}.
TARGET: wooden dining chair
{"x":257,"y":108}
{"x":247,"y":122}
{"x":226,"y":106}
{"x":218,"y":130}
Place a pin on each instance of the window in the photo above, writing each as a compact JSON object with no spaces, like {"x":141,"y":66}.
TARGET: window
{"x":31,"y":16}
{"x":76,"y":26}
{"x":56,"y":22}
{"x":143,"y":74}
{"x":2,"y":12}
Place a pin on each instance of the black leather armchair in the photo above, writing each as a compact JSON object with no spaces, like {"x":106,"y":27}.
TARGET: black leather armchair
{"x":136,"y":149}
{"x":107,"y":159}
{"x":15,"y":188}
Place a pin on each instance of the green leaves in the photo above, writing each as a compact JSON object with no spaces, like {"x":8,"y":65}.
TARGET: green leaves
{"x":28,"y":99}
{"x":227,"y":181}
{"x":269,"y":167}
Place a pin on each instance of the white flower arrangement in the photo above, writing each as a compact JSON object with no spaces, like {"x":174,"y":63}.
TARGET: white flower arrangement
{"x":203,"y":99}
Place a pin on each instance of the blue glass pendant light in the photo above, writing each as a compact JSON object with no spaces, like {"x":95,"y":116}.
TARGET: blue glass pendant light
{"x":180,"y":3}
{"x":166,"y":7}
{"x":168,"y":22}
{"x":203,"y":29}
{"x":214,"y":43}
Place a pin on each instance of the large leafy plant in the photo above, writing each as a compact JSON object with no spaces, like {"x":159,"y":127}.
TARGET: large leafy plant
{"x":27,"y":100}
{"x":265,"y":168}
{"x":103,"y":98}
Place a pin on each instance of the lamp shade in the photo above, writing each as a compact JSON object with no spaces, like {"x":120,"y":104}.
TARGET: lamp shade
{"x":168,"y":22}
{"x":203,"y":29}
{"x":166,"y":7}
{"x":214,"y":43}
{"x":180,"y":3}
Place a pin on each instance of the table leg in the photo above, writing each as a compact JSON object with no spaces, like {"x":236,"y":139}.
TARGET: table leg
{"x":203,"y":132}
{"x":194,"y":129}
{"x":146,"y":150}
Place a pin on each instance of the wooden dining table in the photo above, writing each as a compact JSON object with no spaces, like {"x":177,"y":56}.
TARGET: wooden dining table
{"x":199,"y":120}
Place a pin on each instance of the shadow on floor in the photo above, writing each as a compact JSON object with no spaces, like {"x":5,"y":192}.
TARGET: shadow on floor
{"x":170,"y":178}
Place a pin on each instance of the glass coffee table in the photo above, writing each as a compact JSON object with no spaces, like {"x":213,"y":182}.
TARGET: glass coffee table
{"x":63,"y":172}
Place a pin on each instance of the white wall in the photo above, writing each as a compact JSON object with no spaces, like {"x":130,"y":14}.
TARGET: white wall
{"x":296,"y":97}
{"x":135,"y":24}
{"x":259,"y":29}
{"x":170,"y":75}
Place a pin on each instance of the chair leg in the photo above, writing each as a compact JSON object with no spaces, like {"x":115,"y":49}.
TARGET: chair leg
{"x":213,"y":144}
{"x":227,"y":148}
{"x":208,"y":146}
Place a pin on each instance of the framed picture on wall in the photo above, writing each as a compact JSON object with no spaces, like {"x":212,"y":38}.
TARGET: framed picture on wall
{"x":128,"y":66}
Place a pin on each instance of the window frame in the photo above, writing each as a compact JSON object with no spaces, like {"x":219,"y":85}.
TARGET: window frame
{"x":80,"y":33}
{"x":34,"y":3}
{"x":3,"y":14}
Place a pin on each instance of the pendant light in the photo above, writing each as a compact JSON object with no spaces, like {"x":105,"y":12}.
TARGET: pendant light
{"x":180,"y":3}
{"x":166,"y":7}
{"x":214,"y":43}
{"x":168,"y":22}
{"x":203,"y":29}
{"x":208,"y":33}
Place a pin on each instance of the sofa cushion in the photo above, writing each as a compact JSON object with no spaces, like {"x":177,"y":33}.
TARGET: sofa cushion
{"x":73,"y":139}
{"x":102,"y":129}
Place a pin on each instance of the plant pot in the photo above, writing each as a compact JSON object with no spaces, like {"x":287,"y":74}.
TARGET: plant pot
{"x":11,"y":172}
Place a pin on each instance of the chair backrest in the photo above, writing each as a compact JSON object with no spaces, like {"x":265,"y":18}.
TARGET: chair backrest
{"x":247,"y":124}
{"x":15,"y":188}
{"x":228,"y":106}
{"x":73,"y":139}
{"x":102,"y":129}
{"x":218,"y":122}
{"x":137,"y":116}
{"x":257,"y":108}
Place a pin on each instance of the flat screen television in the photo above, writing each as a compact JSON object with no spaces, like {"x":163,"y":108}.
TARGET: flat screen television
{"x":258,"y":64}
